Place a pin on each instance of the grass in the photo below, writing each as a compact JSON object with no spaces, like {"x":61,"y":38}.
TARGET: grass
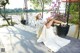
{"x":13,"y":23}
{"x":3,"y":25}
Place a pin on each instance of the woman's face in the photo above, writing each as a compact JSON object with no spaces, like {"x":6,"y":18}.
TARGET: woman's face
{"x":39,"y":16}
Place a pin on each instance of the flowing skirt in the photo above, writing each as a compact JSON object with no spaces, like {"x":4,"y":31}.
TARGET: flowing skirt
{"x":52,"y":41}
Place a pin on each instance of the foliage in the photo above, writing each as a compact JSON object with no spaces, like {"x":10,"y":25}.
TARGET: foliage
{"x":38,"y":3}
{"x":20,"y":11}
{"x":74,"y":13}
{"x":74,"y":7}
{"x":56,"y":12}
{"x":16,"y":10}
{"x":75,"y":18}
{"x":12,"y":24}
{"x":4,"y":2}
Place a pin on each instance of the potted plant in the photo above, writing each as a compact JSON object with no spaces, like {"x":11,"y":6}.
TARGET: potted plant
{"x":62,"y":30}
{"x":75,"y":22}
{"x":75,"y":8}
{"x":23,"y":21}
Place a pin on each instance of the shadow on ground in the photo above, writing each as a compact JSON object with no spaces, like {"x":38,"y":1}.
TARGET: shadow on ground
{"x":72,"y":47}
{"x":27,"y":41}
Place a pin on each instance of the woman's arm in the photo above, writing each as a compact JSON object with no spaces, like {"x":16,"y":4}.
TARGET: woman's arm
{"x":58,"y":22}
{"x":49,"y":23}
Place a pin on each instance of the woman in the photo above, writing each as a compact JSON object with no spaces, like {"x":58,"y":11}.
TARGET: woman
{"x":39,"y":24}
{"x":49,"y":38}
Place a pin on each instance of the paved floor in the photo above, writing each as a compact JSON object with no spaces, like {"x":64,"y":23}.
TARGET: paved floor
{"x":22,"y":39}
{"x":72,"y":47}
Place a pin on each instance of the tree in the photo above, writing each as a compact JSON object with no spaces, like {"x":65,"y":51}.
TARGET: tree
{"x":74,"y":7}
{"x":40,"y":4}
{"x":74,"y":10}
{"x":3,"y":4}
{"x":26,"y":8}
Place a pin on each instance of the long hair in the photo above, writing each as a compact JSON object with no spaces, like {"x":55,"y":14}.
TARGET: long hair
{"x":37,"y":16}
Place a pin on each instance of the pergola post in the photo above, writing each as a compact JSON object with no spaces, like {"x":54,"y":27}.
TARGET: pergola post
{"x":68,"y":12}
{"x":79,"y":22}
{"x":65,"y":8}
{"x":42,"y":7}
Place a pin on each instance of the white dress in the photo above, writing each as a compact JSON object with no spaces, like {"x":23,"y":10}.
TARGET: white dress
{"x":39,"y":25}
{"x":51,"y":40}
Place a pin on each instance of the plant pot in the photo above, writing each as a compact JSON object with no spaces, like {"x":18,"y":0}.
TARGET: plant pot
{"x":62,"y":31}
{"x":23,"y":22}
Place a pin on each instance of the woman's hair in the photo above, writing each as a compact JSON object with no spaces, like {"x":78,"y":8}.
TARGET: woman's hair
{"x":37,"y":16}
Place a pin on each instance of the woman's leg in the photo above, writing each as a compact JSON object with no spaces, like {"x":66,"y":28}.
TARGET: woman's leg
{"x":48,"y":24}
{"x":58,"y":22}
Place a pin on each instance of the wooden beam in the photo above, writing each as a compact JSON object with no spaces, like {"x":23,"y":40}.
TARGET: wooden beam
{"x":79,"y":23}
{"x":68,"y":12}
{"x":71,"y":0}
